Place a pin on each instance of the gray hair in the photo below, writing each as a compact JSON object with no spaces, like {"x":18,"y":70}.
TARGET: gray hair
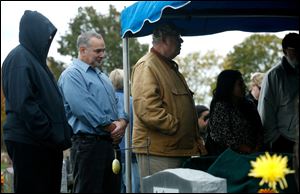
{"x":84,"y":38}
{"x":164,"y":30}
{"x":116,"y":77}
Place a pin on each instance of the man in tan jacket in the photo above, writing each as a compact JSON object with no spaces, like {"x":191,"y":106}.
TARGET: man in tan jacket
{"x":165,"y":130}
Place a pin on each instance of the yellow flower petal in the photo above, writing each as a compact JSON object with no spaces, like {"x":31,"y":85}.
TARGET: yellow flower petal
{"x":271,"y":169}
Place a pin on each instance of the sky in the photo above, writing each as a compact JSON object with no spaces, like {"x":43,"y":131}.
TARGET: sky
{"x":60,"y":14}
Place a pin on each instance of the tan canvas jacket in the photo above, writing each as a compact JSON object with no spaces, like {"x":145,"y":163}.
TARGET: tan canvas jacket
{"x":164,"y":109}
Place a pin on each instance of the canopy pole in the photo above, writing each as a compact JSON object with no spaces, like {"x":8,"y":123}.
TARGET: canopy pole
{"x":126,"y":69}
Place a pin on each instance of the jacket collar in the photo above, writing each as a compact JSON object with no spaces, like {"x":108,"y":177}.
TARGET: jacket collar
{"x":172,"y":64}
{"x":288,"y":68}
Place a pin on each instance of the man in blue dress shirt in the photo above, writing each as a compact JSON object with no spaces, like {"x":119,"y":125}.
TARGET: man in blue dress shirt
{"x":97,"y":119}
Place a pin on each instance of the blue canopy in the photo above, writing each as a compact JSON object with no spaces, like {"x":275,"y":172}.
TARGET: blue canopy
{"x":208,"y":17}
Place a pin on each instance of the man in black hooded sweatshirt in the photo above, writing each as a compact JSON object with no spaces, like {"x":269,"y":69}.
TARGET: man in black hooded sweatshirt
{"x":36,"y":130}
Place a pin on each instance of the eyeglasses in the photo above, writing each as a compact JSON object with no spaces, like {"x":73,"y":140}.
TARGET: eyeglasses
{"x":100,"y":50}
{"x":292,"y":51}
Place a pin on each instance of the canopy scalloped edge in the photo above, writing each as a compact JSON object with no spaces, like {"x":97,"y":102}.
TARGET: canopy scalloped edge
{"x":155,"y":20}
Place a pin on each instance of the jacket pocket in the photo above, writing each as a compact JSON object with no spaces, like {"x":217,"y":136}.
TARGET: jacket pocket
{"x":179,"y":92}
{"x":60,"y":136}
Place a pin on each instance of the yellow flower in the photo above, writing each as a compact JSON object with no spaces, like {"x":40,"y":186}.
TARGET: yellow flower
{"x":271,"y":169}
{"x":267,"y":191}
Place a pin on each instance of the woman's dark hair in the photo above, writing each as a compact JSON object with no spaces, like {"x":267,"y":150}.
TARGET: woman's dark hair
{"x":225,"y":86}
{"x":200,"y":109}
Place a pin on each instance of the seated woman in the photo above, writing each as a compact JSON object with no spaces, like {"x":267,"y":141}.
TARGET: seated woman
{"x":234,"y":121}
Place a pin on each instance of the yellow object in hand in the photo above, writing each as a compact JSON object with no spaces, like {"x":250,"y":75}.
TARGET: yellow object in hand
{"x":116,"y":166}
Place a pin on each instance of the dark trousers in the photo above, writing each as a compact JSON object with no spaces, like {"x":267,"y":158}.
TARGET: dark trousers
{"x":92,"y":166}
{"x":282,"y":145}
{"x":36,"y":169}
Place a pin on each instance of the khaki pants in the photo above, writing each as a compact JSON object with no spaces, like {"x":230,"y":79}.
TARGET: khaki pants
{"x":149,"y":165}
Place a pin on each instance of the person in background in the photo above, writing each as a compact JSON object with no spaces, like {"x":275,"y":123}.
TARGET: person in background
{"x":117,"y":76}
{"x":234,"y":121}
{"x":36,"y":130}
{"x":97,"y":118}
{"x":278,"y":98}
{"x":255,"y":86}
{"x":165,"y":128}
{"x":203,"y":116}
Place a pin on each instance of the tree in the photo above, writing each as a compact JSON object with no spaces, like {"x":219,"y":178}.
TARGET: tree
{"x":200,"y":73}
{"x":109,"y":28}
{"x":257,"y":53}
{"x":3,"y":118}
{"x":55,"y":67}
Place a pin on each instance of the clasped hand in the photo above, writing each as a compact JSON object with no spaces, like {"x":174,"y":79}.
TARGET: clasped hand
{"x":117,"y":130}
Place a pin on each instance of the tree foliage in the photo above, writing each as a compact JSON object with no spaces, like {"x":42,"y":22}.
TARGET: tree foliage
{"x":109,"y":27}
{"x":55,"y":67}
{"x":200,"y":73}
{"x":3,"y":118}
{"x":257,"y":53}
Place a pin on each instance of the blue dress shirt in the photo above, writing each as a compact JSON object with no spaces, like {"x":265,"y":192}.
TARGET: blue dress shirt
{"x":89,"y":99}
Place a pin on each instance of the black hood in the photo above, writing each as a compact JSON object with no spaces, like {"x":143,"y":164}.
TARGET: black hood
{"x":36,"y":34}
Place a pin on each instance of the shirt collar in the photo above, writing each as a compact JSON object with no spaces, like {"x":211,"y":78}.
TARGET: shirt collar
{"x":85,"y":67}
{"x":82,"y":65}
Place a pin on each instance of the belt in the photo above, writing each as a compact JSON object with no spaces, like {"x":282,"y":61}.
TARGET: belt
{"x":84,"y":136}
